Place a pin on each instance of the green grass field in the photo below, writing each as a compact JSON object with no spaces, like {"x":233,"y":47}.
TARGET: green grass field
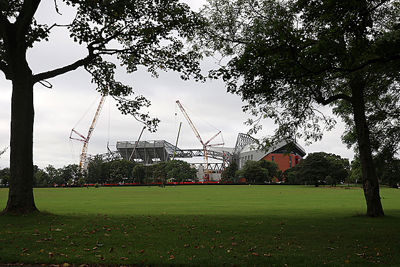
{"x":203,"y":226}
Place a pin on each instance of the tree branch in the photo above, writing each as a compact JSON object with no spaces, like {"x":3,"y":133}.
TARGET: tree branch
{"x":25,"y":17}
{"x":377,"y":6}
{"x":62,"y":70}
{"x":374,"y":61}
{"x":58,"y":25}
{"x":56,"y":7}
{"x":326,"y":101}
{"x":5,"y":69}
{"x":4,"y":23}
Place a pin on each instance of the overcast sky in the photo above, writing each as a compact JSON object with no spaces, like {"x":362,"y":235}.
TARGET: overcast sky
{"x":63,"y":107}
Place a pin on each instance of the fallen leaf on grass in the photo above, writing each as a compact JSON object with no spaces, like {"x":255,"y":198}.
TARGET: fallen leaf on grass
{"x":141,"y":251}
{"x":123,"y":258}
{"x":171,"y":257}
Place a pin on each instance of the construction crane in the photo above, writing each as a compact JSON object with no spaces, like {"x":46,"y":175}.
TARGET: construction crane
{"x":80,"y":137}
{"x":206,"y":144}
{"x":3,"y":151}
{"x":177,"y":138}
{"x":136,"y":144}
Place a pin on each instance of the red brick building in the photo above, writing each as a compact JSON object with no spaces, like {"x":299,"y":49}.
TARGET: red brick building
{"x":286,"y":155}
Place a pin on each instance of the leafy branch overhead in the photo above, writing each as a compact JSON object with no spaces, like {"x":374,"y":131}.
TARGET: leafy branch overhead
{"x":148,"y":34}
{"x":287,"y":59}
{"x":145,"y":33}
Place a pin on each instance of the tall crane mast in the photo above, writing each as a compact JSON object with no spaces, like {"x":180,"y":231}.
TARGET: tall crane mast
{"x":3,"y":151}
{"x":197,"y":134}
{"x":80,"y":137}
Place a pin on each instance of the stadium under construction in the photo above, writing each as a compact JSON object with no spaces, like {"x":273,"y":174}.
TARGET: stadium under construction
{"x":285,"y":154}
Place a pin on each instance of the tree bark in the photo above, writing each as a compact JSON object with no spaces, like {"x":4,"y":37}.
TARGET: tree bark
{"x":20,"y":198}
{"x":370,"y":179}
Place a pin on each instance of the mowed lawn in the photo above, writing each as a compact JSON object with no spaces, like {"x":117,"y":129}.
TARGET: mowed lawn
{"x":203,"y":226}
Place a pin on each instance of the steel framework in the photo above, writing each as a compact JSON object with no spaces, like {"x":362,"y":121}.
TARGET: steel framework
{"x":150,"y":152}
{"x":206,"y":145}
{"x":85,"y":139}
{"x":242,"y":141}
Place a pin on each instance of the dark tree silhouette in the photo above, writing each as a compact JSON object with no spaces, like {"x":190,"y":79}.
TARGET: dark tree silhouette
{"x":145,"y":33}
{"x":288,"y":58}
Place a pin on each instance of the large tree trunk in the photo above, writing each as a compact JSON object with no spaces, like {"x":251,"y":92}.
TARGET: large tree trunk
{"x":370,"y":179}
{"x":20,"y":198}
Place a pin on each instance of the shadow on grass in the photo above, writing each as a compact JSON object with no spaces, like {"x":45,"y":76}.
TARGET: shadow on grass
{"x":201,"y":240}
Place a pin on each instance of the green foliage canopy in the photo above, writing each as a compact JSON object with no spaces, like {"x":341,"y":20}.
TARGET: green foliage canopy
{"x":258,"y":171}
{"x":229,"y":173}
{"x":319,"y":168}
{"x":144,"y":33}
{"x":147,"y":33}
{"x":287,"y":59}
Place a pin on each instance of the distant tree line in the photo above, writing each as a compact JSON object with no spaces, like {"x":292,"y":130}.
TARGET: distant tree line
{"x":325,"y":168}
{"x":48,"y":176}
{"x":387,"y":169}
{"x":116,"y":171}
{"x":100,"y":171}
{"x":255,"y":172}
{"x":316,"y":169}
{"x":319,"y":168}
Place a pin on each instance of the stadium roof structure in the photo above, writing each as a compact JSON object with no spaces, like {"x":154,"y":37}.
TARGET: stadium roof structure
{"x":146,"y":152}
{"x":281,"y":147}
{"x":246,"y":144}
{"x":151,"y":152}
